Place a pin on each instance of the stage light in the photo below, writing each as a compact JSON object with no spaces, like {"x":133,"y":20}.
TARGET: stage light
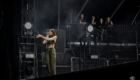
{"x":90,"y":28}
{"x":28,"y":25}
{"x":28,"y":33}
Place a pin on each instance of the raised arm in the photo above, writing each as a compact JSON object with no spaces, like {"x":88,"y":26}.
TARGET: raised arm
{"x":46,"y":38}
{"x":93,"y":22}
{"x":53,"y":38}
{"x":111,"y":23}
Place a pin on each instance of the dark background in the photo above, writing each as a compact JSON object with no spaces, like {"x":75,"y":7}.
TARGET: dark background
{"x":48,"y":18}
{"x":48,"y":11}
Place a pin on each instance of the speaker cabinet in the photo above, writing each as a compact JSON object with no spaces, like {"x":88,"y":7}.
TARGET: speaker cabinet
{"x":61,"y":41}
{"x":63,"y":59}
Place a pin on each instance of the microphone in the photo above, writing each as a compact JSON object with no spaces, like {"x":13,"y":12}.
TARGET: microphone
{"x":45,"y":33}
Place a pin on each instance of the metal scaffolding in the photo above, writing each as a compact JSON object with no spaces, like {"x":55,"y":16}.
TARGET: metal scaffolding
{"x":27,"y":42}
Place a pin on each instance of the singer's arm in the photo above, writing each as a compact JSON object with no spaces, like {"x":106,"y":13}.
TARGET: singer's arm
{"x":44,"y":41}
{"x":46,"y":38}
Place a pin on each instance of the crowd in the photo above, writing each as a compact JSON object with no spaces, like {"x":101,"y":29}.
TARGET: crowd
{"x":102,"y":24}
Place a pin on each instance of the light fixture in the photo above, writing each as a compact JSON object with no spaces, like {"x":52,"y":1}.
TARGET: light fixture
{"x":132,"y":78}
{"x":90,"y":28}
{"x":28,"y":25}
{"x":29,"y":55}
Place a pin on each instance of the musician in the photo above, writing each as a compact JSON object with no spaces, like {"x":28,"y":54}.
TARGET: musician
{"x":93,"y":20}
{"x":115,"y":60}
{"x":50,"y":39}
{"x":82,"y":19}
{"x":101,"y":27}
{"x":81,"y":28}
{"x":108,"y":23}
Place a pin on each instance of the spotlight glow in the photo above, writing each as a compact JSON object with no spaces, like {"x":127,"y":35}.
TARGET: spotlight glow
{"x":90,"y":28}
{"x":28,"y":25}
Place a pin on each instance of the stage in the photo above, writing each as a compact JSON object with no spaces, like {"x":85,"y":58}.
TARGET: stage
{"x":115,"y":72}
{"x":96,"y":39}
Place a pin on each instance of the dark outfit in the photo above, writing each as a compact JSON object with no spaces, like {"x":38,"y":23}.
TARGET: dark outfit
{"x":114,"y":61}
{"x":107,"y":24}
{"x":81,"y":31}
{"x":82,"y":20}
{"x":96,"y":30}
{"x":108,"y":31}
{"x":81,"y":28}
{"x":102,"y":26}
{"x":51,"y":59}
{"x":100,"y":29}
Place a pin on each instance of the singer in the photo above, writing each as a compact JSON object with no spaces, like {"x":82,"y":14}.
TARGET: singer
{"x":50,"y":39}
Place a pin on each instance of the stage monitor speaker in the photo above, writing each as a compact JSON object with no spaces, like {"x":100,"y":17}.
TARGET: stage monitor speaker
{"x":61,"y":41}
{"x":63,"y":59}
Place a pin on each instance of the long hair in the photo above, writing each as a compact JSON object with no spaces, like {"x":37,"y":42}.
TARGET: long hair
{"x":53,"y":33}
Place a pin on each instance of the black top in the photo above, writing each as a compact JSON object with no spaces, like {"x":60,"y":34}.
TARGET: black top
{"x":115,"y":61}
{"x":102,"y":25}
{"x":51,"y":42}
{"x":108,"y":23}
{"x":82,"y":20}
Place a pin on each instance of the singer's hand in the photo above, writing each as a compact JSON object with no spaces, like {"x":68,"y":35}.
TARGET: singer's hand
{"x":38,"y":36}
{"x":47,"y":35}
